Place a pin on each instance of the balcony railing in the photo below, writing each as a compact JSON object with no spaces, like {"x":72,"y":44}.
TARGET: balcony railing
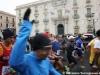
{"x":89,"y":15}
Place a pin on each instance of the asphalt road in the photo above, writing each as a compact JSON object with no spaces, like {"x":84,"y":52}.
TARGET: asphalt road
{"x":77,"y":70}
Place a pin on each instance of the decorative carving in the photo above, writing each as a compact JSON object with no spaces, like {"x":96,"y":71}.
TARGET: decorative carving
{"x":58,"y":2}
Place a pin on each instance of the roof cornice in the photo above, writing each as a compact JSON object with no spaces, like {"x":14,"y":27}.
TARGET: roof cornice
{"x":6,"y":13}
{"x":32,"y":4}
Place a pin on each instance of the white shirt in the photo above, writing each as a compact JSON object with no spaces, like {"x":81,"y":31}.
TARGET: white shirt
{"x":97,"y":44}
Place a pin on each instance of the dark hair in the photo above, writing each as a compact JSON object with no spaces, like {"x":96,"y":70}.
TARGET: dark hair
{"x":79,"y":35}
{"x":0,"y":38}
{"x":7,"y":33}
{"x":39,"y":41}
{"x":98,"y":33}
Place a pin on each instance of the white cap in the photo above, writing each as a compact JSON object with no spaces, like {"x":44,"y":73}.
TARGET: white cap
{"x":71,"y":37}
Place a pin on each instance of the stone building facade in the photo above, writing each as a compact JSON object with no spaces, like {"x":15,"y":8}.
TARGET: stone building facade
{"x":7,"y":20}
{"x":62,"y":16}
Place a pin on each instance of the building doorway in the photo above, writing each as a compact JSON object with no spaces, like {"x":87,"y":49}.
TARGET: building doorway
{"x":60,"y":29}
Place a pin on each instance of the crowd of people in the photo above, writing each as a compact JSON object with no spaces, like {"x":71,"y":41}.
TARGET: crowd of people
{"x":45,"y":53}
{"x":6,"y":44}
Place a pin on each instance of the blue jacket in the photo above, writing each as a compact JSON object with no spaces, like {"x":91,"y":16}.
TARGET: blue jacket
{"x":28,"y":64}
{"x":79,"y":43}
{"x":55,"y":46}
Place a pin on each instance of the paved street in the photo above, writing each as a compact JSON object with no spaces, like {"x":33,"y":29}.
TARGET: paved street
{"x":77,"y":68}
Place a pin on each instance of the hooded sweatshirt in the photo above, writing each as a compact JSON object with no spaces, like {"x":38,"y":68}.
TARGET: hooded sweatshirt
{"x":28,"y":64}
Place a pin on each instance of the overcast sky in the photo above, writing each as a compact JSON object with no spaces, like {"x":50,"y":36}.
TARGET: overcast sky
{"x":10,"y":5}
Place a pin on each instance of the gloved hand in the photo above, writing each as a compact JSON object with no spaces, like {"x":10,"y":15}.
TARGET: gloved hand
{"x":27,"y":15}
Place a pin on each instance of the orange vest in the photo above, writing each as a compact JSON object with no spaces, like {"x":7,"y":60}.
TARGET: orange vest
{"x":1,"y":51}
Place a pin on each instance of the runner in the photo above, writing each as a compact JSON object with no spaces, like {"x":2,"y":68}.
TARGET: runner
{"x":70,"y":49}
{"x":6,"y":45}
{"x":36,"y":62}
{"x":91,"y":50}
{"x":80,"y":47}
{"x":97,"y":50}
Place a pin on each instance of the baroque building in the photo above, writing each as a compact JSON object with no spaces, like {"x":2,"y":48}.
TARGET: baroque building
{"x":62,"y":16}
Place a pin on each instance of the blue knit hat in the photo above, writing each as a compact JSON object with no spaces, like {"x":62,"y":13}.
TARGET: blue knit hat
{"x":39,"y":41}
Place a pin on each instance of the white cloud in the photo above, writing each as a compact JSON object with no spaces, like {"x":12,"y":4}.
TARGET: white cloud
{"x":10,"y":5}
